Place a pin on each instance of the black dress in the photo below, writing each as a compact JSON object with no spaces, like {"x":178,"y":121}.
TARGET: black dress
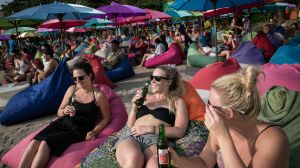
{"x":66,"y":130}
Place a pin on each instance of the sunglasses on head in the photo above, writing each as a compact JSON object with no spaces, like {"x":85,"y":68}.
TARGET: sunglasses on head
{"x":80,"y":78}
{"x":158,"y":78}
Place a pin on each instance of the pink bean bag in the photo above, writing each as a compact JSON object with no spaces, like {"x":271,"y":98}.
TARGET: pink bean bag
{"x":172,"y":56}
{"x":204,"y":78}
{"x":261,"y":41}
{"x":99,"y":72}
{"x":76,"y":152}
{"x":286,"y":75}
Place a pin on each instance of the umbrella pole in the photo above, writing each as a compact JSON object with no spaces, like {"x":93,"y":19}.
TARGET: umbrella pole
{"x":215,"y":29}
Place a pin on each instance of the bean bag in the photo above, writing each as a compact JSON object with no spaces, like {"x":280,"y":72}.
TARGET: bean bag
{"x":286,"y":75}
{"x":286,"y":54}
{"x":281,"y":106}
{"x":99,"y":72}
{"x":104,"y":51}
{"x":247,"y":53}
{"x":172,"y":56}
{"x":123,"y":71}
{"x":195,"y":59}
{"x":275,"y":39}
{"x":77,"y":151}
{"x":190,"y":145}
{"x":294,"y":41}
{"x":204,"y":78}
{"x":38,"y":100}
{"x":249,"y":37}
{"x":194,"y":103}
{"x":261,"y":41}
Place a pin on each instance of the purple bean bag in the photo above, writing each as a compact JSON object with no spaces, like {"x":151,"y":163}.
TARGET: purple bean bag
{"x":247,"y":53}
{"x":172,"y":56}
{"x":275,"y":40}
{"x":76,"y":152}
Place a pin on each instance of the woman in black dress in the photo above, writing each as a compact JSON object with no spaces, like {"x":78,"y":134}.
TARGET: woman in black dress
{"x":78,"y":112}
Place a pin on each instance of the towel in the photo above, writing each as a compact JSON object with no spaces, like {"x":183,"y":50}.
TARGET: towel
{"x":282,"y":106}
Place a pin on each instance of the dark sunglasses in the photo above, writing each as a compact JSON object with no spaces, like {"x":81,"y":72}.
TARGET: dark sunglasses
{"x":220,"y":108}
{"x":80,"y":78}
{"x":158,"y":78}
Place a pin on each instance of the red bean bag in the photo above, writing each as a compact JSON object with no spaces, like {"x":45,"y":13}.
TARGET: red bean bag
{"x":194,"y":103}
{"x":261,"y":41}
{"x":99,"y":72}
{"x":286,"y":75}
{"x":172,"y":56}
{"x":207,"y":75}
{"x":76,"y":152}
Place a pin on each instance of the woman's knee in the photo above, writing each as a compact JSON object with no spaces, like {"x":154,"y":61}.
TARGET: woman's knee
{"x":44,"y":146}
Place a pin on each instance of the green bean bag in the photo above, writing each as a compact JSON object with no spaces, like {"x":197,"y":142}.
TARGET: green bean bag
{"x":190,"y":145}
{"x":195,"y":59}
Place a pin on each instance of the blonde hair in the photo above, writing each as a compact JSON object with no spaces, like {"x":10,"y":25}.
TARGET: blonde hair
{"x":176,"y":89}
{"x":238,"y":92}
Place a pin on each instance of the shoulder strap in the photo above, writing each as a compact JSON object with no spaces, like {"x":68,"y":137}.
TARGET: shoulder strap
{"x":273,"y":125}
{"x":95,"y":97}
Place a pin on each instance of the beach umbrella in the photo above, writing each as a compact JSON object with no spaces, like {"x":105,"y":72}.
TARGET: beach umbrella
{"x":118,"y":10}
{"x":57,"y":10}
{"x":77,"y":30}
{"x":272,"y":7}
{"x":20,"y":29}
{"x":178,"y":14}
{"x":43,"y":30}
{"x":96,"y":22}
{"x":150,"y":14}
{"x":27,"y":34}
{"x":4,"y":37}
{"x":56,"y":24}
{"x":115,"y":10}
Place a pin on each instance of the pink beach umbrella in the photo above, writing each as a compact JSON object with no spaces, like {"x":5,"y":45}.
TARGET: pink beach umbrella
{"x":77,"y":30}
{"x":150,"y":14}
{"x":56,"y":24}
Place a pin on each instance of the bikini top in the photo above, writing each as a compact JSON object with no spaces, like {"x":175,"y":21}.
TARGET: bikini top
{"x":160,"y":113}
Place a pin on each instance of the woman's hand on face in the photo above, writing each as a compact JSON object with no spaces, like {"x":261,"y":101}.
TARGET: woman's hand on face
{"x":140,"y":130}
{"x":90,"y":136}
{"x":215,"y":122}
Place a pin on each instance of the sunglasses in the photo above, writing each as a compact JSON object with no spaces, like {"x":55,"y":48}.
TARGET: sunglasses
{"x":80,"y":78}
{"x":158,"y":78}
{"x":220,"y":108}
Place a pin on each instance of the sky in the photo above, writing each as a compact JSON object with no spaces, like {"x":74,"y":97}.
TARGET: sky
{"x":3,"y":2}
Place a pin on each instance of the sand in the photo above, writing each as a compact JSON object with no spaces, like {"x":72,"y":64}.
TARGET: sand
{"x":11,"y":135}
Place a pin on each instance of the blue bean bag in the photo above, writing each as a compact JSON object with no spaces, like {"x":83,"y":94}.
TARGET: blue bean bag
{"x":123,"y":71}
{"x":40,"y":99}
{"x":294,"y":41}
{"x":287,"y":54}
{"x":247,"y":53}
{"x":275,"y":39}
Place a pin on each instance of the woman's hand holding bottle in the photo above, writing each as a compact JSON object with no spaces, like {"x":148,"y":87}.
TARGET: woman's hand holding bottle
{"x":69,"y":110}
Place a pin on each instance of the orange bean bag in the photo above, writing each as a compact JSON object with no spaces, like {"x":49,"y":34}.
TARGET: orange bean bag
{"x":194,"y":103}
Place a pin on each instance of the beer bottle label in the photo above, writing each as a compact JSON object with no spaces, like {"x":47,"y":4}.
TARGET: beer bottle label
{"x":163,"y":156}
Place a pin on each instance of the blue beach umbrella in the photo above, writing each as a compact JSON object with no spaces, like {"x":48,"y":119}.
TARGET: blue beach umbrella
{"x":178,"y":14}
{"x":96,"y":22}
{"x":57,"y":10}
{"x":204,"y":5}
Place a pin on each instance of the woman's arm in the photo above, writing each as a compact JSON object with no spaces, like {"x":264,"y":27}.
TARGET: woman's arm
{"x":134,"y":109}
{"x":61,"y":110}
{"x":181,"y":121}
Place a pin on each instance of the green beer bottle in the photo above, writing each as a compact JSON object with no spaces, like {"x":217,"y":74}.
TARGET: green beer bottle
{"x":162,"y":149}
{"x":140,"y":101}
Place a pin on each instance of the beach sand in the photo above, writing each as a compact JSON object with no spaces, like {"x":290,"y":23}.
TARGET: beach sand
{"x":11,"y":135}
